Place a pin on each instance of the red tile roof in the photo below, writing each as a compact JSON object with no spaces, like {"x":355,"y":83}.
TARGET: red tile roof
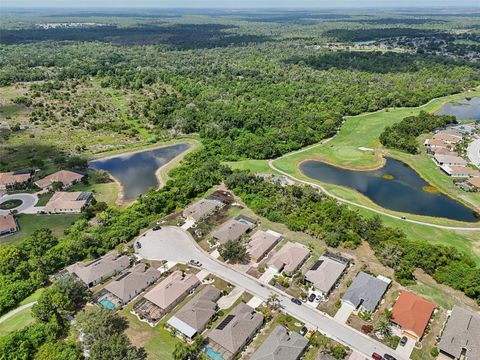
{"x":412,"y":313}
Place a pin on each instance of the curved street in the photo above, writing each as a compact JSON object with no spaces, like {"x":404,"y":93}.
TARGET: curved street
{"x":174,"y":244}
{"x":473,"y":151}
{"x":28,"y":202}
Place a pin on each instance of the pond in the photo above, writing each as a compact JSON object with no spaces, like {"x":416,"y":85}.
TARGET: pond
{"x":136,"y":172}
{"x":395,"y":186}
{"x":462,"y":109}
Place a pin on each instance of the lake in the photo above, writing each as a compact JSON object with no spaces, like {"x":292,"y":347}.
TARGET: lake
{"x":136,"y":171}
{"x":403,"y":192}
{"x":462,"y":109}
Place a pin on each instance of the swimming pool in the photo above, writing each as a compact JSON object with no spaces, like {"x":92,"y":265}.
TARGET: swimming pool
{"x":107,"y":304}
{"x":212,"y":354}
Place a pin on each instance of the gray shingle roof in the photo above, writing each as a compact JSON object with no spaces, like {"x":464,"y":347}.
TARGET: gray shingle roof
{"x":231,"y":230}
{"x":244,"y":323}
{"x":365,"y":290}
{"x":281,"y":345}
{"x":198,"y":312}
{"x":326,"y":274}
{"x":462,"y":332}
{"x":202,"y":208}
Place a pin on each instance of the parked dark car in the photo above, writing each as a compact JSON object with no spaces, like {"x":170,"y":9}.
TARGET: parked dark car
{"x":296,"y":301}
{"x":155,"y":228}
{"x":311,"y":298}
{"x":303,"y":331}
{"x":195,"y":263}
{"x":403,"y":341}
{"x":138,"y":245}
{"x":377,"y":356}
{"x":388,"y":357}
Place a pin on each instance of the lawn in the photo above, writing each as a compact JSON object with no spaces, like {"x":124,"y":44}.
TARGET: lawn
{"x":44,"y":198}
{"x":256,"y":166}
{"x":29,"y":223}
{"x":16,"y":322}
{"x":107,"y":192}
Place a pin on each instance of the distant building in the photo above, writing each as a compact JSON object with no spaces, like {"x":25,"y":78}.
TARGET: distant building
{"x":234,"y":331}
{"x":68,"y":202}
{"x":8,"y":225}
{"x":201,"y":209}
{"x":13,"y":178}
{"x":282,"y":344}
{"x":289,"y":258}
{"x":461,"y":337}
{"x":231,"y":230}
{"x":193,"y":318}
{"x":132,"y":283}
{"x":365,"y":292}
{"x":475,"y":182}
{"x":325,"y":273}
{"x":94,"y":272}
{"x":261,"y":243}
{"x":65,"y":177}
{"x":460,"y":171}
{"x":412,"y":314}
{"x":447,"y":137}
{"x":449,"y":160}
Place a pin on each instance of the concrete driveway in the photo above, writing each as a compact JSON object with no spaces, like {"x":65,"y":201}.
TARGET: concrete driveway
{"x":174,"y":244}
{"x":28,"y":203}
{"x":344,"y":312}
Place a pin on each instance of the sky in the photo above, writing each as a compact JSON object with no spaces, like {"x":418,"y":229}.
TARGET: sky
{"x":238,"y":3}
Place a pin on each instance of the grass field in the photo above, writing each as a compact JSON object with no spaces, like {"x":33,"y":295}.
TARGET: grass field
{"x":29,"y":223}
{"x":16,"y":322}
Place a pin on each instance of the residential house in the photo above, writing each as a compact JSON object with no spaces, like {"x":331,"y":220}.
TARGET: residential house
{"x":8,"y":225}
{"x":461,"y":337}
{"x":165,"y":296}
{"x":193,"y":318}
{"x":443,"y":151}
{"x":234,"y":331}
{"x":201,"y":209}
{"x":282,"y":344}
{"x":435,"y":144}
{"x":449,"y":160}
{"x":68,"y":202}
{"x":366,"y":291}
{"x":65,"y":177}
{"x":325,"y":273}
{"x":261,"y":243}
{"x":100,"y":269}
{"x":475,"y":182}
{"x":460,"y":171}
{"x":13,"y":178}
{"x":448,"y":138}
{"x":231,"y":230}
{"x":412,"y":314}
{"x":289,"y":258}
{"x":129,"y":285}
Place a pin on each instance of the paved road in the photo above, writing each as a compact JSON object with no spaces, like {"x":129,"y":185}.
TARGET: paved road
{"x":473,"y":151}
{"x":28,"y":202}
{"x":174,"y":244}
{"x":16,"y":311}
{"x":321,"y":188}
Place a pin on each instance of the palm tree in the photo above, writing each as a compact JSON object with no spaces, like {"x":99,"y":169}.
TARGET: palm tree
{"x":181,"y":352}
{"x":383,"y":327}
{"x":273,"y":302}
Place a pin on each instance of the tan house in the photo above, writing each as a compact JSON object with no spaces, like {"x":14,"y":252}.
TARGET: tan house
{"x":325,"y":273}
{"x":165,"y":296}
{"x":261,"y":243}
{"x":289,"y":258}
{"x":234,"y":331}
{"x":13,"y":178}
{"x":447,"y":137}
{"x":129,"y":285}
{"x":193,"y":318}
{"x":201,"y":209}
{"x":460,"y":171}
{"x":231,"y":230}
{"x":449,"y":160}
{"x":68,"y":202}
{"x":8,"y":225}
{"x":100,"y":269}
{"x":66,"y":177}
{"x":474,"y":182}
